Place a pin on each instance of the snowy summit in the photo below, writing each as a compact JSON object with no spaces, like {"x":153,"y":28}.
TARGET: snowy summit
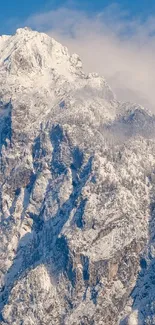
{"x":77,"y":178}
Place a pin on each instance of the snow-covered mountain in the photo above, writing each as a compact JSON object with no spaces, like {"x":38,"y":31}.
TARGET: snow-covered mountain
{"x":77,"y":179}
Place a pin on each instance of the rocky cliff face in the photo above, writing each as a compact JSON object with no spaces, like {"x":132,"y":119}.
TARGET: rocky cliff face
{"x":77,"y":178}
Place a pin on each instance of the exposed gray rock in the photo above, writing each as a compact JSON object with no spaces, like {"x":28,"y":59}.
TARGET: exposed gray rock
{"x":76,"y":193}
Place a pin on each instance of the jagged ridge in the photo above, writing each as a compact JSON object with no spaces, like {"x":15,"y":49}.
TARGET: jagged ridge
{"x":77,"y":179}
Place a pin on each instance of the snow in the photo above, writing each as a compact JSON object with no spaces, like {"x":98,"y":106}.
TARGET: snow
{"x":133,"y":318}
{"x":77,"y":184}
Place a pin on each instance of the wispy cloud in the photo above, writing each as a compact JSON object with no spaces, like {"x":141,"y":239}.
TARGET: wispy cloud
{"x":110,"y":43}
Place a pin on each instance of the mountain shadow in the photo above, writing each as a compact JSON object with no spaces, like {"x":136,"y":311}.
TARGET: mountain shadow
{"x":46,"y":242}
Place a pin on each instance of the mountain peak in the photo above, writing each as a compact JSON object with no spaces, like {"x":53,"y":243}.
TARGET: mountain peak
{"x":23,"y":30}
{"x":33,"y":62}
{"x":29,"y":52}
{"x":77,"y":186}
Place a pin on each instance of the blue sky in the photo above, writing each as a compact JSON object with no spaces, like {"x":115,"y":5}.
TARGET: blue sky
{"x":13,"y":13}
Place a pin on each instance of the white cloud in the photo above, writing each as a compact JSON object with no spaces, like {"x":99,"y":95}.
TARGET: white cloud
{"x":110,"y":43}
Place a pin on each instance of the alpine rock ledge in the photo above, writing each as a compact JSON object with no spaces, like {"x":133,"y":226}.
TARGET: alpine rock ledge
{"x":77,"y":193}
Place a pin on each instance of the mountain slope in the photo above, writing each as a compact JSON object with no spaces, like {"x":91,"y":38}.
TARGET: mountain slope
{"x":77,"y":180}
